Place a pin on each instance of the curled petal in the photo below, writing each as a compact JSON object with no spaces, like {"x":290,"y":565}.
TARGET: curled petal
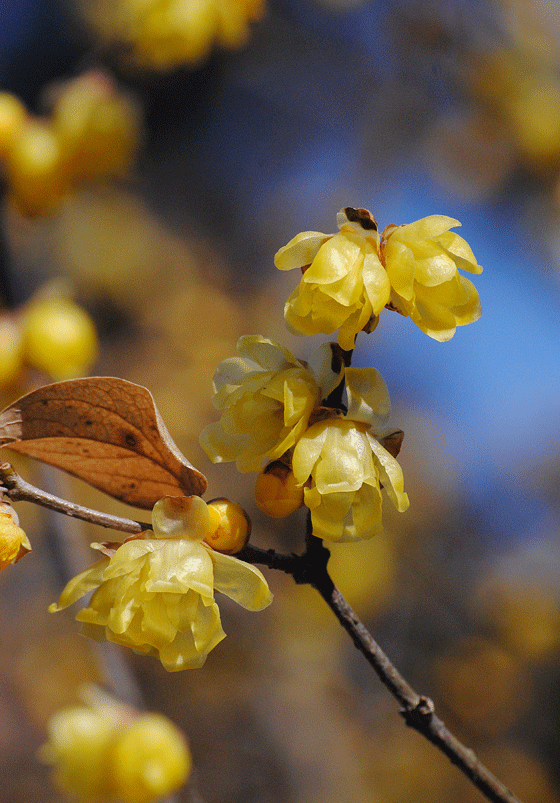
{"x":300,"y":251}
{"x":327,"y":365}
{"x":424,"y":229}
{"x":376,"y":281}
{"x":307,"y":451}
{"x":390,"y":474}
{"x":335,"y":259}
{"x":460,"y":251}
{"x":241,"y":582}
{"x":80,"y":585}
{"x":265,"y":352}
{"x":232,"y":372}
{"x":181,"y":517}
{"x":368,"y":397}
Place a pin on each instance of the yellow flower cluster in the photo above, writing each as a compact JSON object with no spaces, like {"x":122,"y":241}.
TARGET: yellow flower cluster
{"x":266,"y":397}
{"x":349,"y":277}
{"x":106,"y":751}
{"x":166,"y":34}
{"x":93,"y":131}
{"x":14,"y":543}
{"x":273,"y":407}
{"x":155,"y":593}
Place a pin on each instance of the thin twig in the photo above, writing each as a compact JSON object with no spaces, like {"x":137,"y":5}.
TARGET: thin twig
{"x":18,"y":490}
{"x":417,"y":710}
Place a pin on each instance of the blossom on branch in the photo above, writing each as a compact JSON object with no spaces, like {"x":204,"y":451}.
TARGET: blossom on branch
{"x":349,"y":277}
{"x":266,"y":397}
{"x":14,"y":543}
{"x":155,"y":593}
{"x":422,"y":261}
{"x":343,"y":465}
{"x":344,"y":285}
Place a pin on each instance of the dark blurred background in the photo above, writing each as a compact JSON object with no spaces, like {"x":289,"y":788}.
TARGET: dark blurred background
{"x":408,"y":109}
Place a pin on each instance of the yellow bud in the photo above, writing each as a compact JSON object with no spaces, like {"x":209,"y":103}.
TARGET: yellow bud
{"x":98,"y":127}
{"x":233,"y":526}
{"x":14,"y":543}
{"x":36,"y":170}
{"x":149,"y":759}
{"x":59,"y":338}
{"x":13,"y":115}
{"x":276,"y":491}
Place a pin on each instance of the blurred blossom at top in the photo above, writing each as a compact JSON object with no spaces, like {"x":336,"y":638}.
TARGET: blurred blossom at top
{"x":166,"y":35}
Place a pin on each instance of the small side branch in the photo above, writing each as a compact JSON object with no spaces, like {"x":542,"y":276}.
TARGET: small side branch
{"x":18,"y":490}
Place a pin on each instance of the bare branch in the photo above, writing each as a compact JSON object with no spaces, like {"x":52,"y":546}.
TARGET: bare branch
{"x":18,"y":490}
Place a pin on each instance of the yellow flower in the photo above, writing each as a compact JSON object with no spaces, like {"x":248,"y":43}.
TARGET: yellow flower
{"x":344,"y":285}
{"x":343,"y":465}
{"x":156,"y":594}
{"x":266,"y":397}
{"x":347,"y":466}
{"x":14,"y":543}
{"x":166,"y":34}
{"x":422,"y":261}
{"x":105,"y":750}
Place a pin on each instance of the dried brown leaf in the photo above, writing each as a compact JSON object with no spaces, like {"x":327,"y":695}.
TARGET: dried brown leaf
{"x":106,"y":431}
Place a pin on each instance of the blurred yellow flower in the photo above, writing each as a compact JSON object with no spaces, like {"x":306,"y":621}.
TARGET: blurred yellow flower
{"x":266,"y":397}
{"x":156,"y":594}
{"x":14,"y":543}
{"x":347,"y":466}
{"x":107,"y":751}
{"x":344,"y":285}
{"x":166,"y":34}
{"x":422,"y":261}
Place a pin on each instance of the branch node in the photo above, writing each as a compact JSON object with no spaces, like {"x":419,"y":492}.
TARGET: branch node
{"x":420,"y":713}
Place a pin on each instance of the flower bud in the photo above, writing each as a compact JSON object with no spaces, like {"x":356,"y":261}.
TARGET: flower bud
{"x":14,"y":543}
{"x":36,"y":170}
{"x":230,"y":526}
{"x":59,"y":337}
{"x":276,"y":491}
{"x":149,"y":759}
{"x":106,"y":751}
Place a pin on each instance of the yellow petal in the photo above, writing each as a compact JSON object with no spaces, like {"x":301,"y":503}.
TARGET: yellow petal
{"x":460,"y":250}
{"x":390,"y":474}
{"x":219,"y":446}
{"x":335,"y":259}
{"x":425,"y":229}
{"x":241,"y":582}
{"x":327,"y":367}
{"x":368,"y":397}
{"x":179,"y":566}
{"x":344,"y":460}
{"x":267,"y":353}
{"x":353,"y":324}
{"x":307,"y":451}
{"x":300,"y":251}
{"x":376,"y":281}
{"x":400,"y":268}
{"x":80,"y":585}
{"x":181,"y":517}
